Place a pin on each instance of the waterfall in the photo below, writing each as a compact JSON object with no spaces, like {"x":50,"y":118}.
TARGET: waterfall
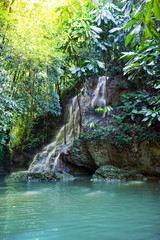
{"x":48,"y":159}
{"x":99,"y":94}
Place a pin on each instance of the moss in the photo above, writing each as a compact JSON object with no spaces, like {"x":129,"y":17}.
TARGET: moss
{"x":110,"y":173}
{"x":25,"y":176}
{"x":21,"y":176}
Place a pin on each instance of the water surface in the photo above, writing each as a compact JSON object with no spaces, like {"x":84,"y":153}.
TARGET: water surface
{"x":80,"y":210}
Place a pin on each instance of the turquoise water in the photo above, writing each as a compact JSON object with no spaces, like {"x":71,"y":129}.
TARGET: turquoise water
{"x":80,"y":210}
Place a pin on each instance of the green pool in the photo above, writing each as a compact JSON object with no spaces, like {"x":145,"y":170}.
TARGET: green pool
{"x":80,"y":210}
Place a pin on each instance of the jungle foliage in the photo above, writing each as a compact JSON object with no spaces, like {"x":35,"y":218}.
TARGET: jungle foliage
{"x":47,"y":48}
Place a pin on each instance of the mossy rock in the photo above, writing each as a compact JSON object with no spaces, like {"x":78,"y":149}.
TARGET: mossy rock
{"x":111,"y":174}
{"x":25,"y":176}
{"x":49,"y":176}
{"x":21,"y":176}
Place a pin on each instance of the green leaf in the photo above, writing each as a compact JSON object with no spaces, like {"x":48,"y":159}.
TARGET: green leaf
{"x":130,"y":23}
{"x":135,"y":111}
{"x":90,"y":66}
{"x":150,"y":122}
{"x":82,"y":69}
{"x":154,"y":30}
{"x":126,"y":54}
{"x":148,"y":31}
{"x":153,"y":115}
{"x":100,"y":64}
{"x":136,"y":30}
{"x":115,"y":7}
{"x":109,"y":16}
{"x":96,"y":29}
{"x":156,"y":8}
{"x":148,"y":11}
{"x":128,"y":8}
{"x":150,"y":72}
{"x":79,"y":74}
{"x":157,"y":85}
{"x":115,"y":29}
{"x":107,"y":108}
{"x":132,"y":116}
{"x":128,"y":39}
{"x":145,"y":119}
{"x":99,"y":110}
{"x":74,"y":69}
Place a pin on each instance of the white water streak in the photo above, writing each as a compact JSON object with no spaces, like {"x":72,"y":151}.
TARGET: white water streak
{"x":48,"y":159}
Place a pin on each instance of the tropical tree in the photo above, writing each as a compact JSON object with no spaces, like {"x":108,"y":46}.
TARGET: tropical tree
{"x":144,"y":31}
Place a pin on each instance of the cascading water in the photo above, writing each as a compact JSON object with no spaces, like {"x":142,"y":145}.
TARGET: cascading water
{"x":99,"y":94}
{"x":48,"y":159}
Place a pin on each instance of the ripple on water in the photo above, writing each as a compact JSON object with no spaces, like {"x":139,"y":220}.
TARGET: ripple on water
{"x":80,"y":210}
{"x":95,"y":193}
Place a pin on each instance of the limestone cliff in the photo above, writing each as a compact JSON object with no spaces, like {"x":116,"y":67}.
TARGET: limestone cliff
{"x":63,"y":155}
{"x":143,"y":157}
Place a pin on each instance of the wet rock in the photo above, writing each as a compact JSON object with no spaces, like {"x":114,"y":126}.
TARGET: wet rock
{"x":25,"y":176}
{"x":112,"y":174}
{"x":21,"y":176}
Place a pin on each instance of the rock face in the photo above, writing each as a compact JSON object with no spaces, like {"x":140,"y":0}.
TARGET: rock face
{"x":64,"y":156}
{"x":80,"y":107}
{"x":145,"y":157}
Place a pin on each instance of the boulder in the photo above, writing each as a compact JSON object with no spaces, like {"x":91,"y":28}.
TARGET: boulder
{"x":112,"y":174}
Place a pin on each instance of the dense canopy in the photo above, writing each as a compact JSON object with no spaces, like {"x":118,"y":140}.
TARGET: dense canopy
{"x":48,"y":47}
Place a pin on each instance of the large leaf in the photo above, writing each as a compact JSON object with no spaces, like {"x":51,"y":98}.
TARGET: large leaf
{"x":128,"y":7}
{"x":90,"y":66}
{"x":157,"y":85}
{"x":115,"y":29}
{"x":156,"y":8}
{"x":148,"y":32}
{"x":136,"y":30}
{"x":145,"y":119}
{"x":74,"y":69}
{"x":130,"y":23}
{"x":96,"y":29}
{"x":128,"y":39}
{"x":154,"y":30}
{"x":109,"y":16}
{"x":100,"y":64}
{"x":126,"y":54}
{"x":148,"y":11}
{"x":115,"y":7}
